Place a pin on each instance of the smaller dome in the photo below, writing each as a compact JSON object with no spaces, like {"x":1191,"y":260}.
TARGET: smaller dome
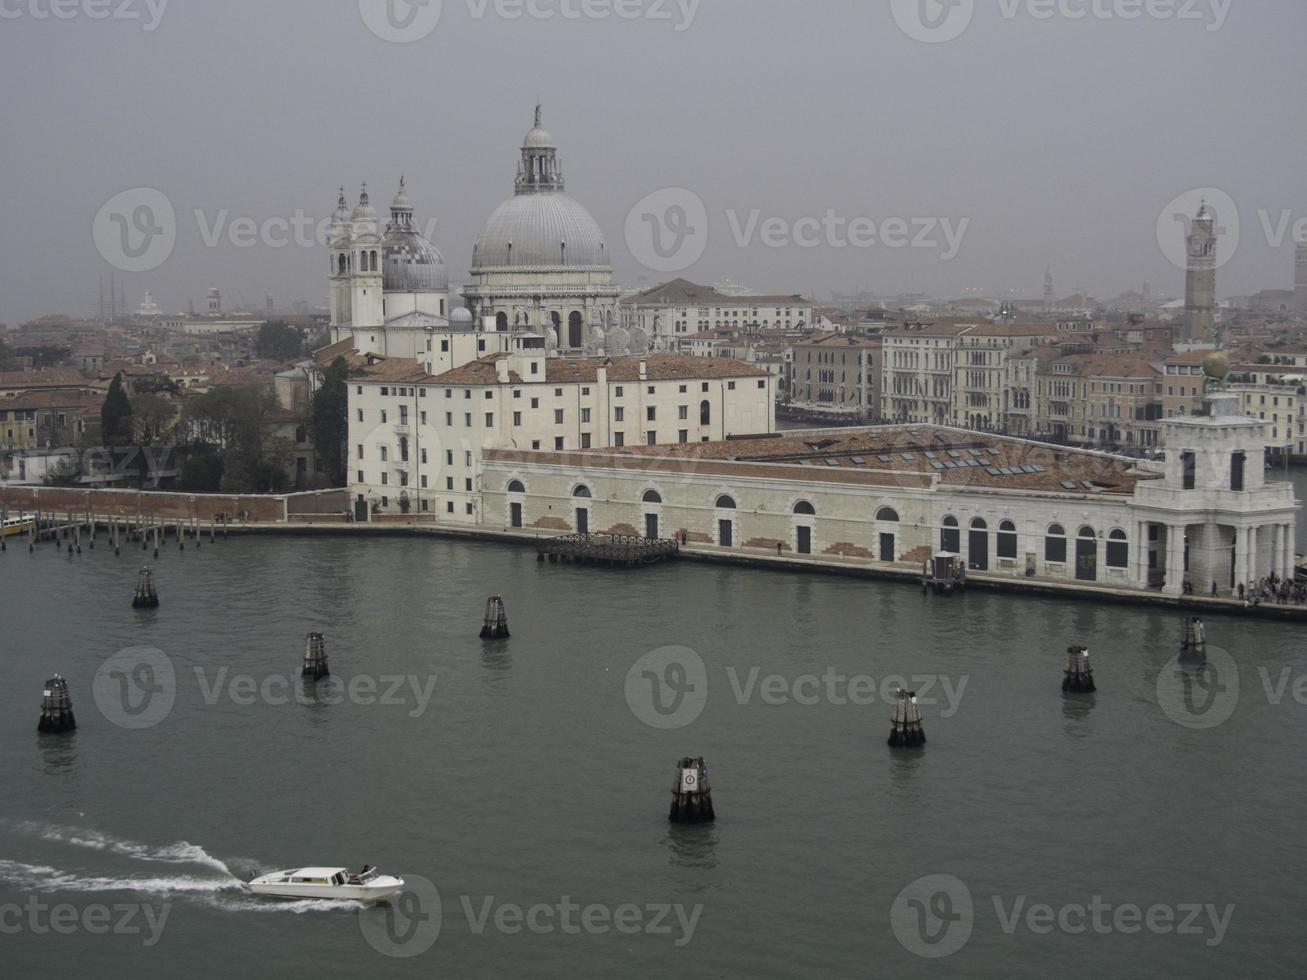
{"x":364,"y":211}
{"x":538,"y":139}
{"x":619,"y":341}
{"x":461,"y":317}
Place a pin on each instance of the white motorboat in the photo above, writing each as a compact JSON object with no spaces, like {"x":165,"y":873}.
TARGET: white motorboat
{"x":364,"y":886}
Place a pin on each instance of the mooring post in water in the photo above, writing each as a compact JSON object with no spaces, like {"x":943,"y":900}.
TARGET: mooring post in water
{"x":156,"y":538}
{"x":145,"y":596}
{"x":1079,"y":676}
{"x":905,"y":721}
{"x":4,"y":527}
{"x":315,"y":657}
{"x":1193,"y":641}
{"x":691,"y":794}
{"x":56,"y":707}
{"x":181,"y":535}
{"x":495,"y":626}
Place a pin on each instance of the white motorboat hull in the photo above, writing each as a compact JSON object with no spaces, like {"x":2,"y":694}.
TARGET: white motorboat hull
{"x":373,"y":890}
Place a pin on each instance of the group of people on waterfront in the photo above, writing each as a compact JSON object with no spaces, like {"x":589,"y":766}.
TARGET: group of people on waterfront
{"x":1272,"y":590}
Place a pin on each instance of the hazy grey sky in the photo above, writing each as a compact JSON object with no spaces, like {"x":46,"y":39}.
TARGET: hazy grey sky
{"x":1058,"y":140}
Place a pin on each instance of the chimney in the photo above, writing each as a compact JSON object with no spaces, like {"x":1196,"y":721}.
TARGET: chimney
{"x":501,"y":370}
{"x":644,"y":369}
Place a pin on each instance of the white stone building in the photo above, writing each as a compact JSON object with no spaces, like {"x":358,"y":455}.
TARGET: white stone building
{"x":896,"y":494}
{"x":416,"y":439}
{"x":679,"y":309}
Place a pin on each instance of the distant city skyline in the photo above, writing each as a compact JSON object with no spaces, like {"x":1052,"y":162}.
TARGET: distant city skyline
{"x":1070,"y":167}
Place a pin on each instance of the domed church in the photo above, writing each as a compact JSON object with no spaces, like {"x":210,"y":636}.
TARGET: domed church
{"x":388,"y":291}
{"x":541,"y":262}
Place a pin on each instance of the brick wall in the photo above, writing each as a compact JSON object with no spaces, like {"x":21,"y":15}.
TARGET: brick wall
{"x":130,"y":503}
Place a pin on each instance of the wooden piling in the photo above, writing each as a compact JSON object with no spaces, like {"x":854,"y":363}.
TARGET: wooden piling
{"x":691,"y":794}
{"x":495,"y":626}
{"x":145,"y":596}
{"x":1079,"y":676}
{"x":905,"y":721}
{"x":56,"y":707}
{"x":315,"y":657}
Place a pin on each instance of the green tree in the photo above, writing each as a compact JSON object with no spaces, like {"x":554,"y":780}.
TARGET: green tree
{"x":7,"y":359}
{"x":152,"y":415}
{"x":116,"y":414}
{"x":329,"y":420}
{"x":279,"y":341}
{"x":239,"y":423}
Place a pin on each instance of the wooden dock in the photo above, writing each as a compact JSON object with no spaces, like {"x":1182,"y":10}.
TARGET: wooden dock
{"x":610,"y":550}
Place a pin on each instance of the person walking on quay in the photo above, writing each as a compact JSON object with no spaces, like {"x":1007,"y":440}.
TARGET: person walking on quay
{"x":1240,"y":590}
{"x":1213,"y":588}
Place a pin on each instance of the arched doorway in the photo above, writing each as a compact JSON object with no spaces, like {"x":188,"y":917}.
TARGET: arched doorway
{"x":802,"y":528}
{"x":1087,"y":555}
{"x":515,"y":490}
{"x":574,"y":332}
{"x":886,"y":542}
{"x":725,"y":505}
{"x":501,"y":322}
{"x":582,"y":497}
{"x":651,"y":498}
{"x":978,"y":545}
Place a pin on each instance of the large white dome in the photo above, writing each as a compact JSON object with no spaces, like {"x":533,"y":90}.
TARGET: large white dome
{"x":540,"y":231}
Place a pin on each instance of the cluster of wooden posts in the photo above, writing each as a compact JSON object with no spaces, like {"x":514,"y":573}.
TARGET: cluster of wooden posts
{"x":73,"y":530}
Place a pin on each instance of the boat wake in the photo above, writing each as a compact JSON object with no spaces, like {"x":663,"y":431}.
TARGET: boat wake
{"x":224,"y":891}
{"x":181,"y":852}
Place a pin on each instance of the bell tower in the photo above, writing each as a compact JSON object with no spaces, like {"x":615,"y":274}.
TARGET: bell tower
{"x":1200,"y":279}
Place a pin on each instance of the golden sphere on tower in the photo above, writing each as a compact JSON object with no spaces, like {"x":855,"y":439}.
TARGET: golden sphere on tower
{"x":1216,"y":366}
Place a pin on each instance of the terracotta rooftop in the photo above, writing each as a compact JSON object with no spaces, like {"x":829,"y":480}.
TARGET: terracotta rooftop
{"x":566,"y":370}
{"x":958,"y":457}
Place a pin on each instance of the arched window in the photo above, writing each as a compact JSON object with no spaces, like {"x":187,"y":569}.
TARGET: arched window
{"x":341,"y":263}
{"x":300,"y":434}
{"x":887,"y":514}
{"x":1087,"y":532}
{"x":652,"y":497}
{"x":574,"y":338}
{"x":1055,"y":543}
{"x":516,"y":486}
{"x":582,"y":491}
{"x":1118,"y":550}
{"x":1007,"y":540}
{"x":803,"y":507}
{"x":501,"y":322}
{"x":374,"y":261}
{"x":705,"y":413}
{"x":726,"y":503}
{"x":979,"y":525}
{"x":950,"y":538}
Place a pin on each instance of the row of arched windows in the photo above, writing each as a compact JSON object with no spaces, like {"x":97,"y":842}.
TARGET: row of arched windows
{"x":1055,"y":541}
